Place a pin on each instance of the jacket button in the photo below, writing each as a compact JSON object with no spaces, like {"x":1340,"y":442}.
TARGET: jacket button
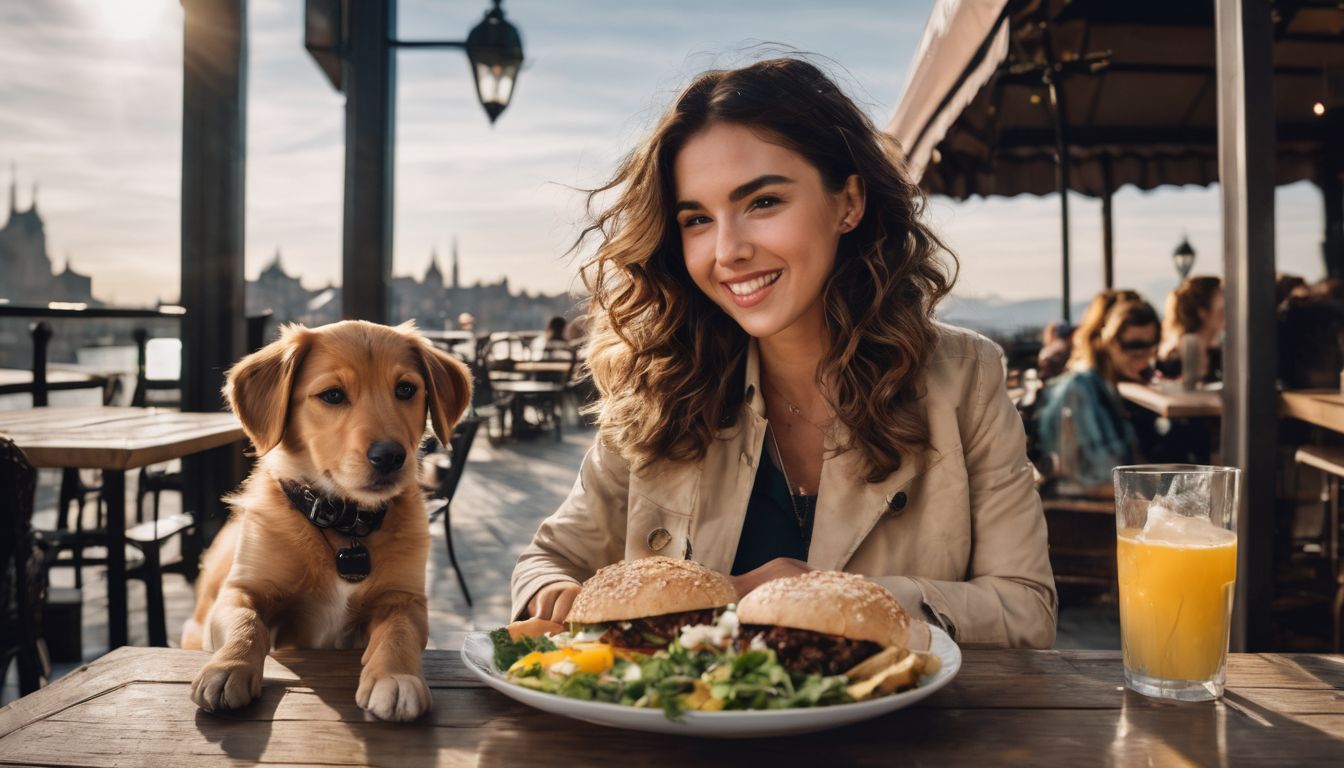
{"x":897,"y":502}
{"x":658,"y":539}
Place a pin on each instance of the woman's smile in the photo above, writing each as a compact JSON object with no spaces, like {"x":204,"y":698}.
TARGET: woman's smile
{"x":752,"y":289}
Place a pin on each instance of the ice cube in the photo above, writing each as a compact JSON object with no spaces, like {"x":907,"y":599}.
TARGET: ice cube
{"x":1166,"y":525}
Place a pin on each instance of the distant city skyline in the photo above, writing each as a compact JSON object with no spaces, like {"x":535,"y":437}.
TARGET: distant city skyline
{"x":98,"y":126}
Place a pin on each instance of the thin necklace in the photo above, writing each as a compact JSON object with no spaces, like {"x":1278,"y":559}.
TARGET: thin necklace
{"x":800,"y":503}
{"x":824,"y":427}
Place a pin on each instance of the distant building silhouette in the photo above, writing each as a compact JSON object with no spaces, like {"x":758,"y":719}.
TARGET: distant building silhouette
{"x":25,"y":268}
{"x":429,"y":300}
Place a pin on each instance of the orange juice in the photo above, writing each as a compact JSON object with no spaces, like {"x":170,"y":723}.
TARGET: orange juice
{"x":1175,"y":604}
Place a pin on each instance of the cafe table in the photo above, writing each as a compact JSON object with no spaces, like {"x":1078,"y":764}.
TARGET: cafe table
{"x":1005,"y":707}
{"x":115,"y":440}
{"x":1174,"y":403}
{"x":1322,"y":407}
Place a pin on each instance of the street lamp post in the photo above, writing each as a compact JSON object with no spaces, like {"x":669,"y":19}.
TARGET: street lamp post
{"x":357,"y":54}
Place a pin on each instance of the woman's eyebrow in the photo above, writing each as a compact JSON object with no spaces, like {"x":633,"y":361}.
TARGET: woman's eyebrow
{"x":757,"y":183}
{"x":740,"y":192}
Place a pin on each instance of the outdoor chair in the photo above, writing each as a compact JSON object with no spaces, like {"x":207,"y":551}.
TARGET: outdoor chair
{"x":23,"y":576}
{"x":487,"y":405}
{"x":1329,"y":459}
{"x":446,"y":473}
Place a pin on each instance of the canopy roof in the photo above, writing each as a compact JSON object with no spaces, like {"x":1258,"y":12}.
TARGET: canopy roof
{"x":1137,"y":86}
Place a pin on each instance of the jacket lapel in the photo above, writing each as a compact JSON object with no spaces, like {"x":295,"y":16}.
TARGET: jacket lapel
{"x":848,"y":508}
{"x":729,"y":474}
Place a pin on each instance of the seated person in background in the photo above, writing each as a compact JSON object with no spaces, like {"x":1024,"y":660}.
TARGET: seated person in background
{"x":1094,"y":318}
{"x":551,"y":344}
{"x":1056,"y":348}
{"x":1083,"y":421}
{"x":1311,"y":339}
{"x":1288,"y":286}
{"x":1195,"y":308}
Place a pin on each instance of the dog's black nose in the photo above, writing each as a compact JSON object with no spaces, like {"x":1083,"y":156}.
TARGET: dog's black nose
{"x":387,"y":456}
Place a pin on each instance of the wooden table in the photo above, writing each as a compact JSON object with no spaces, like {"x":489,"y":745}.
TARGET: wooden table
{"x":1174,"y":404}
{"x":132,"y":707}
{"x":1322,"y":407}
{"x":115,"y":440}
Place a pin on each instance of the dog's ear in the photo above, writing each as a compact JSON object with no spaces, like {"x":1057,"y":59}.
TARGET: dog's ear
{"x":448,"y":388}
{"x":259,"y":385}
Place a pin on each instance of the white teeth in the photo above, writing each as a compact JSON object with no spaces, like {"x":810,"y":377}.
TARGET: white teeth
{"x":748,"y":287}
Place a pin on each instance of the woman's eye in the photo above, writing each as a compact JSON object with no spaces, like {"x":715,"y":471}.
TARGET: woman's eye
{"x":765,"y":201}
{"x":405,"y":391}
{"x":333,"y":396}
{"x":692,"y":221}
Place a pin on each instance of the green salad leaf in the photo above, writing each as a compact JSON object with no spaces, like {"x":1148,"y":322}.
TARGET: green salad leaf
{"x":508,"y":650}
{"x":678,"y":680}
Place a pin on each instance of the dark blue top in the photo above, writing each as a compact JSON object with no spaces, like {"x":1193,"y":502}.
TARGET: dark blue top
{"x":771,"y":529}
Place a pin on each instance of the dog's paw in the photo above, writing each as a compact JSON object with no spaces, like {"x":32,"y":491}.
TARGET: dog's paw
{"x":393,"y":697}
{"x":226,"y":685}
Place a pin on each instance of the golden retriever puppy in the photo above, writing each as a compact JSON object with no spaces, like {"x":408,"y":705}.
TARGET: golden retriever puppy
{"x":328,"y":541}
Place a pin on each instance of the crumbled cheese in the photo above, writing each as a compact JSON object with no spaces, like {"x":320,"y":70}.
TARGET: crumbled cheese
{"x":632,"y":674}
{"x":565,"y":667}
{"x":717,"y":634}
{"x":561,"y":639}
{"x":758,"y":644}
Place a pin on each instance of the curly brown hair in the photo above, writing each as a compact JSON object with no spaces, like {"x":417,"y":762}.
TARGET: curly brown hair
{"x":669,"y":363}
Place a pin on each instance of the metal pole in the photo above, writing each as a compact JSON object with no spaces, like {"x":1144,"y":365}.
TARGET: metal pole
{"x":1107,"y":233}
{"x":1245,"y":41}
{"x":369,"y":77}
{"x":1062,"y":184}
{"x":1050,"y":76}
{"x":214,"y":153}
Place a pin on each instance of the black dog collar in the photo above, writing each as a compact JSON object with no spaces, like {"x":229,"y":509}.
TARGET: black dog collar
{"x":344,"y":517}
{"x":340,"y":515}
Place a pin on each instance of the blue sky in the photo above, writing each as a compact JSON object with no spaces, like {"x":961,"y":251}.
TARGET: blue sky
{"x":90,"y":107}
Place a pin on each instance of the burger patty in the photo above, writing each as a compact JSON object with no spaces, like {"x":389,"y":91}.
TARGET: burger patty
{"x":799,"y":650}
{"x":654,"y":631}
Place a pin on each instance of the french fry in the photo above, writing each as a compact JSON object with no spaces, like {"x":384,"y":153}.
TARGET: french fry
{"x":901,"y":674}
{"x":876,"y":663}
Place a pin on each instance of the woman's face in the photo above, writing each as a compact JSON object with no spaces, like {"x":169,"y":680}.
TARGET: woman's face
{"x":1131,"y":351}
{"x":759,"y":229}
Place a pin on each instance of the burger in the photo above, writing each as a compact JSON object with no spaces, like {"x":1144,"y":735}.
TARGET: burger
{"x":643,"y":604}
{"x":823,"y":622}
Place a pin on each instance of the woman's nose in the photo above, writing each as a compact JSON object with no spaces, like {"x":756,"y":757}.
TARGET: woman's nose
{"x":730,"y":244}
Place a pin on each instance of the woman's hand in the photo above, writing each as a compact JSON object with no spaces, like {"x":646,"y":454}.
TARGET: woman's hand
{"x":778,"y":568}
{"x":553,"y":601}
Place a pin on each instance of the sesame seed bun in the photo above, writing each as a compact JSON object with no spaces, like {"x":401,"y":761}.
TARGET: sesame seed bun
{"x":830,"y":602}
{"x":650,"y":586}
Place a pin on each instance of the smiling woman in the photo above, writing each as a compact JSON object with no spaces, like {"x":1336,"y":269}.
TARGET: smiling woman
{"x":775,"y":394}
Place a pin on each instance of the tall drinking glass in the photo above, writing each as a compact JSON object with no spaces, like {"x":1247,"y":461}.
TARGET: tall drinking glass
{"x":1176,"y":557}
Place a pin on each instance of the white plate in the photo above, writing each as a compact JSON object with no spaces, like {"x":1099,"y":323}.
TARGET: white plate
{"x":478,"y":655}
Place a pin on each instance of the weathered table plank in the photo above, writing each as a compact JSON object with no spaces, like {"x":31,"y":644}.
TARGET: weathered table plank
{"x":115,"y":438}
{"x":1004,"y":708}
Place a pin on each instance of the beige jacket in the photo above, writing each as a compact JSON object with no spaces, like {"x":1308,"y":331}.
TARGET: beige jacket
{"x":957,"y":534}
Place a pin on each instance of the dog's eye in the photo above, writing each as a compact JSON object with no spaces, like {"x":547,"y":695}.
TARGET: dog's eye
{"x":405,"y":391}
{"x":333,"y":396}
